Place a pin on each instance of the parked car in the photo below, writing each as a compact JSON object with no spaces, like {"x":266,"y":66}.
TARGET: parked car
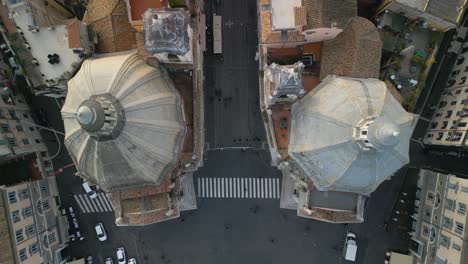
{"x":4,"y":48}
{"x":109,"y":261}
{"x":132,"y":261}
{"x":350,"y":247}
{"x":89,"y":260}
{"x":121,"y":259}
{"x":13,"y":63}
{"x":100,"y":232}
{"x":92,"y":194}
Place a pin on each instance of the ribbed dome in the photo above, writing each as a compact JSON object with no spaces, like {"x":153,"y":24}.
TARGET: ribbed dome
{"x":349,"y":134}
{"x":123,"y":122}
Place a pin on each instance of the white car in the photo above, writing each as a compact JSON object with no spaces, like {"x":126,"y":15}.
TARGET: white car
{"x":100,"y":232}
{"x":121,"y":259}
{"x":109,"y":261}
{"x":92,"y":194}
{"x":132,"y":261}
{"x":350,"y":246}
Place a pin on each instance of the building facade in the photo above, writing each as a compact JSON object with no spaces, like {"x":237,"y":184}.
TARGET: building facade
{"x":439,"y":232}
{"x":449,"y":122}
{"x":19,"y":135}
{"x":31,"y":218}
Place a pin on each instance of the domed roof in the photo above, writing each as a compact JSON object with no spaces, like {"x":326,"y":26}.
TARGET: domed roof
{"x":350,"y":134}
{"x":123,"y":122}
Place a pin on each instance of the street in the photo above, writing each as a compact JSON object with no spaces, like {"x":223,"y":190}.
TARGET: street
{"x":247,"y":228}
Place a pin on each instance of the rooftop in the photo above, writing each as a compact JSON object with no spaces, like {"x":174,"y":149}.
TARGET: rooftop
{"x":137,"y":141}
{"x":282,"y":13}
{"x":329,"y":13}
{"x":349,"y":134}
{"x":449,"y":10}
{"x":109,"y":19}
{"x":355,"y":52}
{"x":136,"y":8}
{"x":45,"y":42}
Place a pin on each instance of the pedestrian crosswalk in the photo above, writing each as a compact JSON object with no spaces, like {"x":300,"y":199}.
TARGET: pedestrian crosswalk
{"x":96,"y":205}
{"x":241,"y":188}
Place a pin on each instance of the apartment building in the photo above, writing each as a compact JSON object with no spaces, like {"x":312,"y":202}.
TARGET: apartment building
{"x":439,"y":231}
{"x":440,"y":15}
{"x":37,"y":233}
{"x":449,"y":123}
{"x":19,"y":135}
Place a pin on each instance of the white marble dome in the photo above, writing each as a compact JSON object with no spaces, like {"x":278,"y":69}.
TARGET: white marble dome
{"x":123,"y":121}
{"x":350,"y":134}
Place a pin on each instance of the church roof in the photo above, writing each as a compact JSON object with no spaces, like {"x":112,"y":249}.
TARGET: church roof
{"x":123,"y":122}
{"x":350,"y":134}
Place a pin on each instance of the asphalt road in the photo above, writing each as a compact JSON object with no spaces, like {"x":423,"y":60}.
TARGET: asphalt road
{"x":230,"y":230}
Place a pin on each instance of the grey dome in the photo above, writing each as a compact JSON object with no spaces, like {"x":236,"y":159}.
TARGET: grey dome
{"x":123,"y":122}
{"x":349,"y":134}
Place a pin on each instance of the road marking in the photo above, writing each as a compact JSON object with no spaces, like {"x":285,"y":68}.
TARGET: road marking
{"x":99,"y":204}
{"x":240,"y":188}
{"x":86,"y":199}
{"x":79,"y":203}
{"x":102,"y":203}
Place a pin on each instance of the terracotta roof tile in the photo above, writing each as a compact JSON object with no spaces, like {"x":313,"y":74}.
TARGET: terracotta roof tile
{"x":355,"y":52}
{"x":111,"y":25}
{"x":325,"y":13}
{"x":300,"y":18}
{"x":73,"y":31}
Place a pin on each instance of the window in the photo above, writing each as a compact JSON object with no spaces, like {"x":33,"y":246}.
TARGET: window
{"x":50,"y":221}
{"x":37,"y":141}
{"x":27,"y":212}
{"x":427,"y":213}
{"x":450,"y":204}
{"x":11,"y":141}
{"x":461,"y":208}
{"x":453,"y":103}
{"x":24,"y":194}
{"x":462,"y":80}
{"x":456,"y":247}
{"x":453,"y":186}
{"x":45,"y":188}
{"x":30,"y":230}
{"x":12,"y":197}
{"x":459,"y":228}
{"x":26,"y":115}
{"x":464,"y":189}
{"x":462,"y":124}
{"x":447,"y":223}
{"x":430,"y":196}
{"x":457,"y":91}
{"x":425,"y":231}
{"x":52,"y":238}
{"x":6,"y":99}
{"x":434,"y":125}
{"x":19,"y":235}
{"x":455,"y":73}
{"x":22,"y":254}
{"x":19,"y":128}
{"x":12,"y":114}
{"x":31,"y":128}
{"x":449,"y":114}
{"x":5,"y":128}
{"x":444,"y":241}
{"x":25,"y":141}
{"x":460,"y":60}
{"x":45,"y":204}
{"x":15,"y":216}
{"x":33,"y":249}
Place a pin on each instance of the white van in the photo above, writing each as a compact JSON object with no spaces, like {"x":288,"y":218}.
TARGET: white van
{"x":350,"y":247}
{"x":92,"y":194}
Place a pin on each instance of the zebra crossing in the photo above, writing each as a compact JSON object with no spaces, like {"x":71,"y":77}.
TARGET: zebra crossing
{"x":240,"y":188}
{"x":96,"y":205}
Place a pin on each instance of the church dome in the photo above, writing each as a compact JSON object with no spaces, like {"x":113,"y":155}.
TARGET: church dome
{"x":350,"y":134}
{"x":123,"y":122}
